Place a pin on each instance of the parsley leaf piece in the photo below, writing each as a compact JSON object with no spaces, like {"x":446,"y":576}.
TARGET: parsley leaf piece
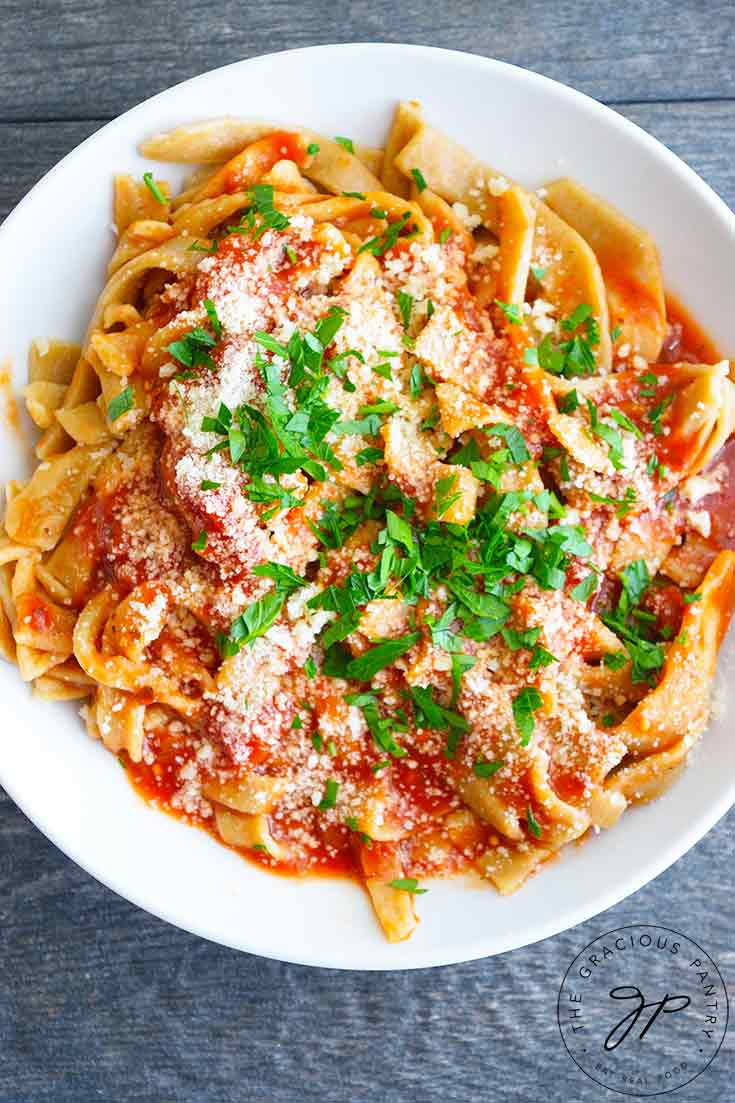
{"x":514,"y":441}
{"x":310,"y":667}
{"x":525,"y":704}
{"x":689,"y":599}
{"x":417,"y":380}
{"x":517,"y":640}
{"x":445,"y":235}
{"x":399,"y":530}
{"x":351,"y":822}
{"x":406,"y":884}
{"x":380,"y":245}
{"x":623,"y":505}
{"x":656,"y":414}
{"x":569,"y":402}
{"x":252,"y":623}
{"x":384,"y":407}
{"x":369,"y":455}
{"x":381,"y":727}
{"x":313,"y":148}
{"x":346,"y":143}
{"x":329,"y":800}
{"x":121,"y":403}
{"x":533,"y":825}
{"x":444,"y":499}
{"x":540,"y":656}
{"x":286,"y":579}
{"x":606,"y":433}
{"x":154,"y":189}
{"x":482,"y":768}
{"x":584,"y":590}
{"x":201,"y":541}
{"x":419,"y":180}
{"x":354,"y":195}
{"x":635,"y":579}
{"x":405,"y":306}
{"x":214,"y":321}
{"x":511,"y":311}
{"x":625,"y":423}
{"x":363,"y":668}
{"x":430,"y":714}
{"x":197,"y":247}
{"x":550,"y":358}
{"x":615,"y":660}
{"x":575,"y":319}
{"x":460,"y":663}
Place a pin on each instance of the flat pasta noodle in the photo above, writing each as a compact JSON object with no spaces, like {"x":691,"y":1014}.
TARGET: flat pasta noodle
{"x":364,"y":543}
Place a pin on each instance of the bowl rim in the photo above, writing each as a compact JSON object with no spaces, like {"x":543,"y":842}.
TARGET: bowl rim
{"x":463,"y":950}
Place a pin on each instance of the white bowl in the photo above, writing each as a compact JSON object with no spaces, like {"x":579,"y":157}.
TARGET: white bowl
{"x":55,"y":246}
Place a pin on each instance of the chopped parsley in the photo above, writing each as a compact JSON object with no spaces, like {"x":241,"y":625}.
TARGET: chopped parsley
{"x":406,"y":884}
{"x":405,"y":306}
{"x":636,"y":627}
{"x":286,"y":579}
{"x":525,"y":704}
{"x":121,"y":404}
{"x":584,"y":590}
{"x":657,"y":413}
{"x":576,"y":355}
{"x":367,"y":665}
{"x":511,"y":311}
{"x":346,"y":143}
{"x":485,"y":769}
{"x":261,"y":213}
{"x":381,"y":244}
{"x":533,"y":825}
{"x":351,"y":822}
{"x":252,"y":623}
{"x":622,"y":505}
{"x":201,"y":542}
{"x":569,"y":402}
{"x":606,"y":433}
{"x":419,"y":180}
{"x":154,"y":189}
{"x":329,"y":800}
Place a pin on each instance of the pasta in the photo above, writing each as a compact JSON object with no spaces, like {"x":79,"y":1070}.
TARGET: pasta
{"x":378,"y":519}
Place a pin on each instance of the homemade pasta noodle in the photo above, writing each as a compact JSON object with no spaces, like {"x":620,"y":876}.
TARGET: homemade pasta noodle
{"x":378,"y":522}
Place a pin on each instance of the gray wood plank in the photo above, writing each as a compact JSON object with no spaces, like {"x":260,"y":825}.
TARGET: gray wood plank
{"x":100,"y":1001}
{"x":702,"y":133}
{"x":87,"y":58}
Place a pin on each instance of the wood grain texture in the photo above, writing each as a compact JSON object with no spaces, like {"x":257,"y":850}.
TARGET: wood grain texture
{"x":91,"y":58}
{"x":99,"y":1001}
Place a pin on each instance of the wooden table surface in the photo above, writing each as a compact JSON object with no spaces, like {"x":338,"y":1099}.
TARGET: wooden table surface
{"x":99,"y":1001}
